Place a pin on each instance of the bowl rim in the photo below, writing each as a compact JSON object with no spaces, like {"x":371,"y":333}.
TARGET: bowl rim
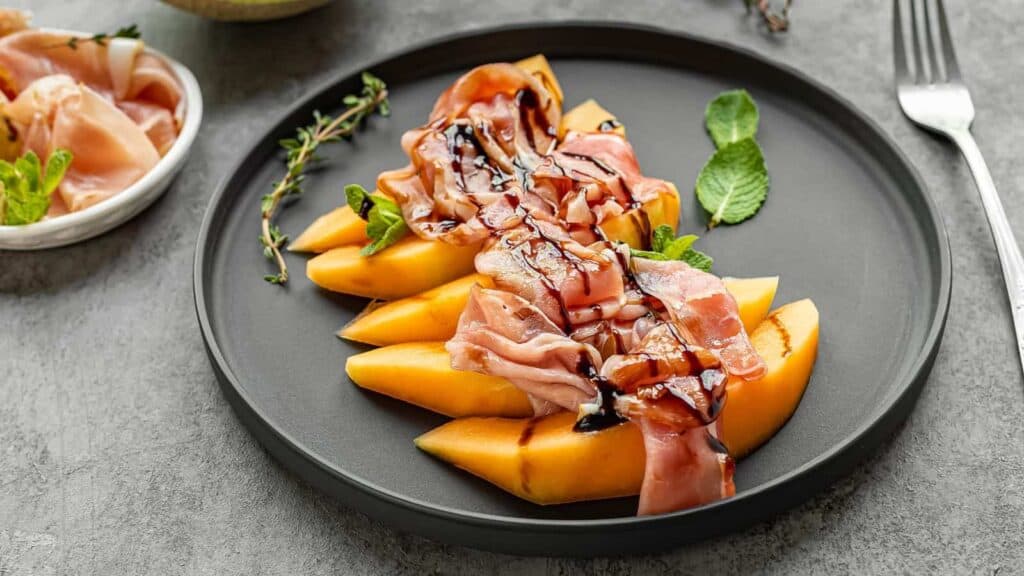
{"x":139,"y":190}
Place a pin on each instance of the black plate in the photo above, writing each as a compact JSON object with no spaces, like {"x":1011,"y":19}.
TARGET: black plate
{"x":847,"y":223}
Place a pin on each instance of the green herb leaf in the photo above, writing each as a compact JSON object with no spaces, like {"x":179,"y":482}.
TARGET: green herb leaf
{"x":733,"y":184}
{"x":731,"y":117}
{"x":697,"y":259}
{"x":665,"y":246}
{"x":130,"y":31}
{"x":384,"y":222}
{"x":648,"y":254}
{"x":26,"y":189}
{"x":56,"y":165}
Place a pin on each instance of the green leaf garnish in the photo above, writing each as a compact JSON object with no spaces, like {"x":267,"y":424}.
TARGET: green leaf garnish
{"x":130,"y":31}
{"x":27,"y":188}
{"x":384,"y":222}
{"x":731,"y":117}
{"x":665,"y":246}
{"x":733,"y":184}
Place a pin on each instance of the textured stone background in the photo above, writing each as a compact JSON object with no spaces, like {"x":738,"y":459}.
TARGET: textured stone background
{"x":118,"y":454}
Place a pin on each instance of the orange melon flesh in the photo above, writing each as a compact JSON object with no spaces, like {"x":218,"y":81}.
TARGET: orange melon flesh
{"x":755,"y":411}
{"x":434,"y":315}
{"x":542,"y":460}
{"x":409,"y":267}
{"x":338,"y":227}
{"x":634,"y":226}
{"x":590,"y":117}
{"x":420,"y":373}
{"x":754,"y":297}
{"x":538,"y":66}
{"x":431,"y":315}
{"x":556,"y":465}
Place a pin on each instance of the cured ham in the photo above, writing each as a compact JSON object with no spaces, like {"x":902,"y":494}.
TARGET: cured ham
{"x":116,"y":108}
{"x":504,"y":335}
{"x":110,"y":151}
{"x":703,"y":309}
{"x":683,"y":469}
{"x":573,"y":320}
{"x":488,"y":156}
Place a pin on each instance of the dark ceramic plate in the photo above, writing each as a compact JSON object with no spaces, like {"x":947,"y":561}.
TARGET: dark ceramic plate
{"x":847,"y":223}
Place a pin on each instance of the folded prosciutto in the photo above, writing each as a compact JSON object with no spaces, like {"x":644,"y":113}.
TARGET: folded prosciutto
{"x":489,"y":155}
{"x":116,"y":108}
{"x":573,"y":320}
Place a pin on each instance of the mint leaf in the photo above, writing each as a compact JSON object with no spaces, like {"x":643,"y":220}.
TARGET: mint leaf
{"x":731,"y":117}
{"x":26,"y":189}
{"x":697,"y":259}
{"x":665,"y":246}
{"x":384,"y":222}
{"x":648,"y":254}
{"x":733,"y":184}
{"x":675,"y":249}
{"x":663,"y":236}
{"x":56,"y":165}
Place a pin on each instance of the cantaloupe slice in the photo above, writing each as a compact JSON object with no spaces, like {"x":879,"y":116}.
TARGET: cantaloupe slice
{"x":552,"y":464}
{"x":433,"y":315}
{"x":338,"y":227}
{"x":590,"y":117}
{"x":538,"y":66}
{"x":409,"y":267}
{"x":421,"y":373}
{"x":542,"y":460}
{"x":755,"y":411}
{"x":754,"y":297}
{"x":634,"y":226}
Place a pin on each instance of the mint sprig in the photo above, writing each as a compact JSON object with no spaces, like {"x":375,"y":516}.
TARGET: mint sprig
{"x":384,"y":222}
{"x":25,"y":197}
{"x":665,"y":246}
{"x":733,"y":184}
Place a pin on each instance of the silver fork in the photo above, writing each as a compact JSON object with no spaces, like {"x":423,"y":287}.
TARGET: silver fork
{"x":935,"y":97}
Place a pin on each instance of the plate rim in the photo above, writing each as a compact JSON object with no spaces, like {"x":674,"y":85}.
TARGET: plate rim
{"x":907,"y":388}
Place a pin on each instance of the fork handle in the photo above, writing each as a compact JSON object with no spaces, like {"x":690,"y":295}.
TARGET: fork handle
{"x":1006,"y":244}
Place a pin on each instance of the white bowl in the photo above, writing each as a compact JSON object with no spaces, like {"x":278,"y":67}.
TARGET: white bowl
{"x":101,"y":217}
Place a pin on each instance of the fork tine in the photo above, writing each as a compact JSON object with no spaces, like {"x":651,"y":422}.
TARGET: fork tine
{"x":915,"y":38}
{"x":933,"y":56}
{"x":898,"y":48}
{"x":949,"y":56}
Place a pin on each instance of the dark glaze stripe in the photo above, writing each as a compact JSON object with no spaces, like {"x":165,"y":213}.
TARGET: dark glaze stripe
{"x":787,"y":347}
{"x":609,"y":171}
{"x":606,"y":416}
{"x":364,"y":208}
{"x":609,"y":125}
{"x":524,"y":440}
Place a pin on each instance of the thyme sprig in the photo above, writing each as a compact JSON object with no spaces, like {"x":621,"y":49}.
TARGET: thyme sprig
{"x":776,"y":21}
{"x":130,"y":31}
{"x":301,"y":153}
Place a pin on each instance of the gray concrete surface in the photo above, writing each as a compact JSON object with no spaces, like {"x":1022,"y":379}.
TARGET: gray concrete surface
{"x":118,"y":454}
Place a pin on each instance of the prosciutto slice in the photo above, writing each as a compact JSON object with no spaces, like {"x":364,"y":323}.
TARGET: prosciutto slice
{"x":141,"y":84}
{"x":683,"y":468}
{"x":699,"y":304}
{"x":570,"y":283}
{"x":468,"y":163}
{"x":593,"y":177}
{"x":110,"y":151}
{"x":504,"y":335}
